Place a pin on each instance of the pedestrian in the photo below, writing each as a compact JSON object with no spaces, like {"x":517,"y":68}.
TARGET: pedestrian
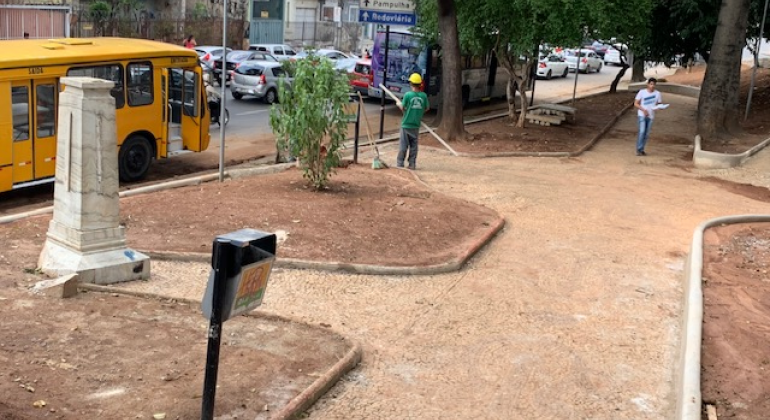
{"x":646,"y":103}
{"x":26,"y":35}
{"x":414,"y":105}
{"x":189,"y":42}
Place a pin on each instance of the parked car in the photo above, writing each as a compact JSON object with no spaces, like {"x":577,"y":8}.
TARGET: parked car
{"x":330,"y":54}
{"x":598,"y":47}
{"x":552,"y":65}
{"x":209,"y":53}
{"x":236,"y":57}
{"x":258,"y":79}
{"x":612,"y":56}
{"x":362,"y":77}
{"x":279,"y":51}
{"x":589,"y":60}
{"x":346,"y":65}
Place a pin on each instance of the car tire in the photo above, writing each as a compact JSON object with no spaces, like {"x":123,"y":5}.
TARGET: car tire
{"x":134,"y":158}
{"x":566,"y":71}
{"x":548,"y":75}
{"x":237,"y":96}
{"x":270,"y":97}
{"x":598,"y":69}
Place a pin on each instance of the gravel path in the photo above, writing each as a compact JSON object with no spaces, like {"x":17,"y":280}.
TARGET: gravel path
{"x":572,"y":312}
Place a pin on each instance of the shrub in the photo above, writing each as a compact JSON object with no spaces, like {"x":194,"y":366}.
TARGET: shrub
{"x":309,"y":121}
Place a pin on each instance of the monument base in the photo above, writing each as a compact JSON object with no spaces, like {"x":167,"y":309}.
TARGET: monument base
{"x":101,"y":267}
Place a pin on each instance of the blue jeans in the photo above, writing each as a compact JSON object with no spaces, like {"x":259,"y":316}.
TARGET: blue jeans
{"x":408,"y":140}
{"x":645,"y":124}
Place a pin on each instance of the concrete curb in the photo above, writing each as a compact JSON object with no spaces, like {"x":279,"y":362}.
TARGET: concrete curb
{"x":673,"y":88}
{"x":688,"y":390}
{"x":305,"y":399}
{"x":370,"y":269}
{"x":705,"y":159}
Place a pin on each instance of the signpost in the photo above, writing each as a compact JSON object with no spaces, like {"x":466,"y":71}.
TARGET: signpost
{"x":241,"y":263}
{"x":388,"y":12}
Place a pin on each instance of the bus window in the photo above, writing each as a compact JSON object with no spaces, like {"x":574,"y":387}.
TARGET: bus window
{"x":20,"y":109}
{"x":46,"y":110}
{"x":139,"y":84}
{"x":191,"y":89}
{"x":113,"y":73}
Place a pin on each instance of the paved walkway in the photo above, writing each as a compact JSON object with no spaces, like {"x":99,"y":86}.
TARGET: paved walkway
{"x":573,"y":311}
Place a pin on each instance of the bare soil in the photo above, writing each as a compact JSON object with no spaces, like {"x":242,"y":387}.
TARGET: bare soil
{"x":113,"y":356}
{"x":501,"y":135}
{"x":736,"y":338}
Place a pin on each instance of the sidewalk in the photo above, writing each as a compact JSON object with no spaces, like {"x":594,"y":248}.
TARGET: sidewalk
{"x":573,"y":312}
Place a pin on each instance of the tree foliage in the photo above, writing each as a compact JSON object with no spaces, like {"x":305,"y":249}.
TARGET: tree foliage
{"x":309,"y":121}
{"x":514,"y":29}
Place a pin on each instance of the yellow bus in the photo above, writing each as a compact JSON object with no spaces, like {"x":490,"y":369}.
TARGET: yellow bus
{"x":160,"y":102}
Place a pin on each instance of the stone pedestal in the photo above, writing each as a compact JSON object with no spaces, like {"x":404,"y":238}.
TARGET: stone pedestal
{"x":85,"y":236}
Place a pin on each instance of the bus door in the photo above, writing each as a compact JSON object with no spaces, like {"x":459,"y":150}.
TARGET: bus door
{"x":185,"y":110}
{"x":45,"y":94}
{"x":22,"y":146}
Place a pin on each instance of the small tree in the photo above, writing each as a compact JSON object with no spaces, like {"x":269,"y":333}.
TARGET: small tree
{"x":309,"y":121}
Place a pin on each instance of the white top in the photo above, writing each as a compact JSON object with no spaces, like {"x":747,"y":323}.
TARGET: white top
{"x":648,"y":100}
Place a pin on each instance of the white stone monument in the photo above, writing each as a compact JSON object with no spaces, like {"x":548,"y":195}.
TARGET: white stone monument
{"x":85,"y":236}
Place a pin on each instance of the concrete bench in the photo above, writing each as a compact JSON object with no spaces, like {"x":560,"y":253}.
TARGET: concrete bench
{"x":546,"y":120}
{"x":558,"y":108}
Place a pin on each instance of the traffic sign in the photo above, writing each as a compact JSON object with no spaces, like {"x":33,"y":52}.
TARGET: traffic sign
{"x":389,"y":5}
{"x":387,"y":18}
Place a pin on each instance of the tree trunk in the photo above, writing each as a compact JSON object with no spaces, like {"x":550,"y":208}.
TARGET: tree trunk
{"x":510,"y":94}
{"x":637,"y":72}
{"x":624,"y":67}
{"x":718,"y":105}
{"x":523,"y":83}
{"x":451,"y":126}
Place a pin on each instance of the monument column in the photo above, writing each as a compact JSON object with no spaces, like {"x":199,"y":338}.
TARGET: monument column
{"x":85,"y":236}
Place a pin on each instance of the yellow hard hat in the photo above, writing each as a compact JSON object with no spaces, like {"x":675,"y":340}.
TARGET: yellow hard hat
{"x":415,"y":79}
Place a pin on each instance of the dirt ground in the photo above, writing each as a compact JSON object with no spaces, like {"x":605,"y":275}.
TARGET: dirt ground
{"x":736,"y":295}
{"x":756,"y":126}
{"x":502,"y":135}
{"x":77,"y":355}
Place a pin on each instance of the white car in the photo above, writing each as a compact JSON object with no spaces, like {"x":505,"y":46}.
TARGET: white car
{"x":589,"y":60}
{"x":330,"y":54}
{"x":209,"y":54}
{"x":279,"y":51}
{"x":612,"y":56}
{"x":552,"y":65}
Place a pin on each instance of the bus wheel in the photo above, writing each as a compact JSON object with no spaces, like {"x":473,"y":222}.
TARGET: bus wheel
{"x":134,"y":158}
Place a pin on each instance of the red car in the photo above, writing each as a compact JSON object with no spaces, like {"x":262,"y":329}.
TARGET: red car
{"x":362,"y":77}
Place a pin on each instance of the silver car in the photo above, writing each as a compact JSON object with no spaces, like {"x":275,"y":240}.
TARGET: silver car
{"x":258,"y":79}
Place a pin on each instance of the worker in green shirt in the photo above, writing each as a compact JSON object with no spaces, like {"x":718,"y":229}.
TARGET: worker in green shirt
{"x":414,"y":104}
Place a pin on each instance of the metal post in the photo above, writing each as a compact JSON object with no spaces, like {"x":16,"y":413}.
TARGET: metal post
{"x":358,"y":128}
{"x":223,"y":100}
{"x":222,"y":258}
{"x":577,"y":71}
{"x":756,"y":62}
{"x":384,"y":81}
